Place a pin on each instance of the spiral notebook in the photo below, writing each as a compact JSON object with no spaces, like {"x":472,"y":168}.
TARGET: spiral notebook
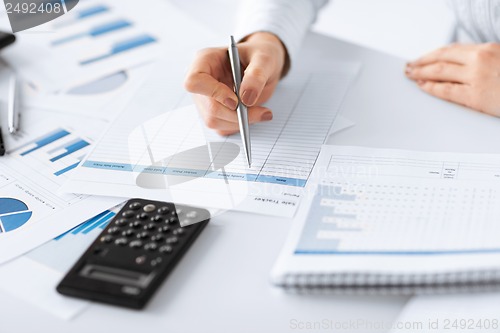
{"x":380,"y":220}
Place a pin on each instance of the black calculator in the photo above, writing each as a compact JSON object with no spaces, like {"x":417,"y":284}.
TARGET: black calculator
{"x":134,"y":254}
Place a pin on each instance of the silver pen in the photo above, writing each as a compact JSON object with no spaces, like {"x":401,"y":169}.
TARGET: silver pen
{"x":13,"y":106}
{"x":242,"y":111}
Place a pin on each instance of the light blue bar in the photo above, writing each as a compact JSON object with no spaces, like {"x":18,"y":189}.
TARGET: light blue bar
{"x":84,"y":225}
{"x":396,"y":253}
{"x":344,"y":216}
{"x":132,"y":43}
{"x":185,"y":172}
{"x":196,"y":173}
{"x":108,"y":166}
{"x":69,"y":39}
{"x":70,"y":149}
{"x":105,"y":222}
{"x":94,"y":32}
{"x":344,"y":197}
{"x":281,"y":180}
{"x":96,"y":224}
{"x":46,"y":140}
{"x":61,"y":147}
{"x":92,"y":11}
{"x":109,"y":27}
{"x":158,"y":170}
{"x":122,"y":47}
{"x":231,"y":176}
{"x":67,"y":169}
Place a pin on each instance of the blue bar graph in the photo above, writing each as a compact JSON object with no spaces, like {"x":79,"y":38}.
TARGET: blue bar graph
{"x":66,"y":169}
{"x":81,"y":15}
{"x":99,"y":221}
{"x":99,"y":9}
{"x":121,"y":47}
{"x":71,"y":148}
{"x":46,"y":140}
{"x":95,"y":31}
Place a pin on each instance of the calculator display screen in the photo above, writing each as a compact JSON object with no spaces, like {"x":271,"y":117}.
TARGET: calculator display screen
{"x":116,"y":275}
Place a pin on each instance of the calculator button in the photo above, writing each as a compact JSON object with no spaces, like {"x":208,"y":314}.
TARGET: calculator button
{"x":164,"y":229}
{"x":113,"y":230}
{"x":98,"y":250}
{"x":128,"y":213}
{"x":156,"y":261}
{"x":172,"y":240}
{"x":179,"y":232}
{"x":192,"y":214}
{"x":143,"y":235}
{"x":150,"y":246}
{"x":135,"y":244}
{"x":163,"y":210}
{"x":157,"y":218}
{"x":121,"y":241}
{"x":142,"y":216}
{"x":128,"y":233}
{"x":179,"y":211}
{"x":171,"y":220}
{"x":106,"y":239}
{"x":157,"y":238}
{"x":121,"y":222}
{"x":186,"y":222}
{"x":150,"y":226}
{"x":135,"y":224}
{"x":135,"y":205}
{"x":140,"y":260}
{"x":149,"y":208}
{"x":166,"y":249}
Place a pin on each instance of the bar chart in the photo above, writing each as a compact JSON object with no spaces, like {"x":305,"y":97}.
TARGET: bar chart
{"x":97,"y":222}
{"x":60,"y":150}
{"x":60,"y":253}
{"x":121,"y":47}
{"x":95,"y":31}
{"x":82,"y":14}
{"x":97,"y":39}
{"x":395,"y":202}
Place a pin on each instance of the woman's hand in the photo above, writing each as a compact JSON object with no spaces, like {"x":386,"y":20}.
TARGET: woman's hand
{"x":263,"y":58}
{"x":464,"y":74}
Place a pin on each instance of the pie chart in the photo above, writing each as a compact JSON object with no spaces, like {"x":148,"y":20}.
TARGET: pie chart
{"x":13,"y":214}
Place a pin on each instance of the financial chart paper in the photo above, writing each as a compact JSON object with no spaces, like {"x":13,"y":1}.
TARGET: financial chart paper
{"x":158,"y":154}
{"x":399,"y":203}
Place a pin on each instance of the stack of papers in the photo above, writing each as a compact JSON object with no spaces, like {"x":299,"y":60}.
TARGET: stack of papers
{"x":65,"y":111}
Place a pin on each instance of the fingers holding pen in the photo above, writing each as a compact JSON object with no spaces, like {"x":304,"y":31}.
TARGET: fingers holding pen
{"x":207,"y":76}
{"x":224,"y":120}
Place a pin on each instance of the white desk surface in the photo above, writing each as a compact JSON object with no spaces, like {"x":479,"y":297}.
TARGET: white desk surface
{"x":222,"y":285}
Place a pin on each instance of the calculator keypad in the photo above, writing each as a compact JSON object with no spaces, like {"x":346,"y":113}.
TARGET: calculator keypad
{"x":149,"y":228}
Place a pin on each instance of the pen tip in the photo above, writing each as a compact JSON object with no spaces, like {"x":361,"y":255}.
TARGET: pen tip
{"x":232,"y":40}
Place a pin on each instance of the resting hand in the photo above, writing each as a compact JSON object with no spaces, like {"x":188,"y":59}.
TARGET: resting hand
{"x":262,"y":57}
{"x":464,"y":74}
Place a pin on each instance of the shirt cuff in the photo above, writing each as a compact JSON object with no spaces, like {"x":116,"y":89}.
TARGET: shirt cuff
{"x":289,"y":20}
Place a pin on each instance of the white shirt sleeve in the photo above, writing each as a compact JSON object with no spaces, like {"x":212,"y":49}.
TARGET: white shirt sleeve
{"x":287,"y":19}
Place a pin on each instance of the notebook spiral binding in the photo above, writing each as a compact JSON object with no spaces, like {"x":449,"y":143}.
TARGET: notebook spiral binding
{"x":392,"y":284}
